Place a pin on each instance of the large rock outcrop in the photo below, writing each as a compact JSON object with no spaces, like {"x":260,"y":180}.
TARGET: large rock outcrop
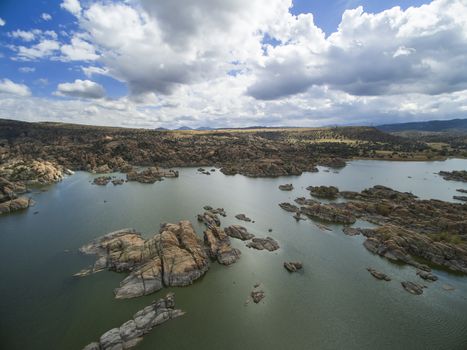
{"x":32,"y":171}
{"x":9,"y":200}
{"x":173,"y":257}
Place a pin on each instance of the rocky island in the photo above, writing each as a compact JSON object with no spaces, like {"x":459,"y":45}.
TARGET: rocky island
{"x":173,"y":257}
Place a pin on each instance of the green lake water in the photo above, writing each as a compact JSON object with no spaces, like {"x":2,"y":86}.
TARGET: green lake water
{"x":334,"y":303}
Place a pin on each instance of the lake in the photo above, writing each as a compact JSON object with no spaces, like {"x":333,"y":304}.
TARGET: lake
{"x":334,"y":303}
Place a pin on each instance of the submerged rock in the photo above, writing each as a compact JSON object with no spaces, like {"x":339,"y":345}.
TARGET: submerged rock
{"x":427,"y":275}
{"x":243,"y":217}
{"x":378,"y":275}
{"x":267,"y":243}
{"x":257,"y":294}
{"x":239,"y":232}
{"x":412,"y":287}
{"x":293,"y":266}
{"x":286,"y":187}
{"x":448,"y":287}
{"x":131,"y":332}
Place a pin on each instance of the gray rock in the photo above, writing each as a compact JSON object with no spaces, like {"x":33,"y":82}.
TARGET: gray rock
{"x":243,"y":217}
{"x":378,"y":275}
{"x":293,"y":266}
{"x":267,"y":243}
{"x":412,"y":287}
{"x":427,"y":275}
{"x":131,"y":332}
{"x":240,"y":232}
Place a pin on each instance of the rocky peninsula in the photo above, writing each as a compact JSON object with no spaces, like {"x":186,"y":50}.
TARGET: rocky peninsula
{"x":132,"y":332}
{"x":409,"y":229}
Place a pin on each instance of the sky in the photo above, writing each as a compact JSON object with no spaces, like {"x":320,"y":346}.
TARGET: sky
{"x":233,"y":63}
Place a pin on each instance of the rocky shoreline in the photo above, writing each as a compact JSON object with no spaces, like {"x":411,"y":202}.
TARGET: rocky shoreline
{"x":255,"y":152}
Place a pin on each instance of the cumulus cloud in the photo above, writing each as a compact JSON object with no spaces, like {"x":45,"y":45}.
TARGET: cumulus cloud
{"x":23,"y":35}
{"x":250,"y":62}
{"x":81,"y":89}
{"x":45,"y":48}
{"x":420,"y":50}
{"x":186,"y":41}
{"x":11,"y":88}
{"x":2,"y":22}
{"x":46,"y":17}
{"x":72,"y":6}
{"x":78,"y":50}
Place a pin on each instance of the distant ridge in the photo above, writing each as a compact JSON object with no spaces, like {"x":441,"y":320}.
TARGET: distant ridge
{"x":453,"y":125}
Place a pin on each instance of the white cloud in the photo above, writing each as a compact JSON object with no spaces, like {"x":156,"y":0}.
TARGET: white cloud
{"x":186,"y":42}
{"x":403,"y":51}
{"x":250,"y":62}
{"x":46,"y":17}
{"x":72,"y":6}
{"x":91,"y":70}
{"x":2,"y":22}
{"x":11,"y":88}
{"x":23,"y":35}
{"x":81,"y":89}
{"x":420,"y":50}
{"x":27,"y":69}
{"x":78,"y":50}
{"x":44,"y":48}
{"x":34,"y":34}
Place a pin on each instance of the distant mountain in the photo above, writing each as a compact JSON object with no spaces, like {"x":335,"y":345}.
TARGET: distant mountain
{"x":184,"y":128}
{"x":204,"y":128}
{"x":456,"y":125}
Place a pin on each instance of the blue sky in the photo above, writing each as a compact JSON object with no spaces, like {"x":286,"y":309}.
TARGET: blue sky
{"x":195,"y":50}
{"x":26,"y":15}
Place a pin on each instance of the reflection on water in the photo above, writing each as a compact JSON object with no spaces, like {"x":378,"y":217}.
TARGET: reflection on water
{"x":333,"y":304}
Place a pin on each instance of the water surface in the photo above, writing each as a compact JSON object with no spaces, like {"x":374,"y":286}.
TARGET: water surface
{"x":333,"y":304}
